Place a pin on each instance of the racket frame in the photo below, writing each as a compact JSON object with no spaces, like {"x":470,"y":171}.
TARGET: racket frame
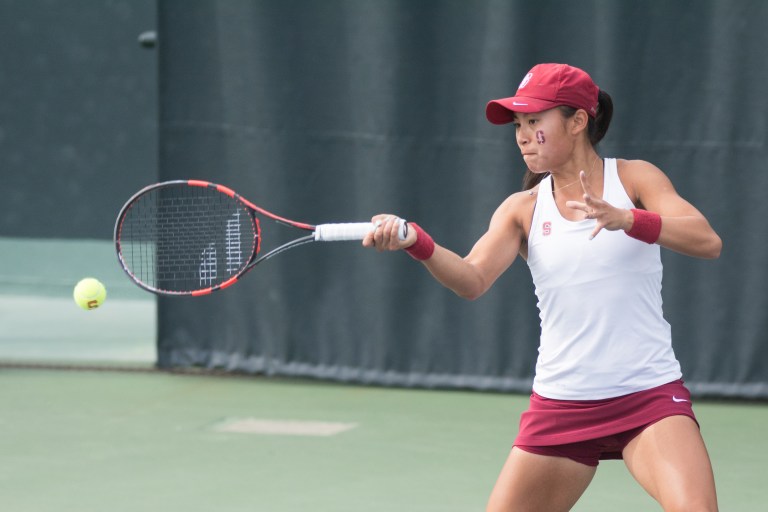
{"x":249,"y":207}
{"x":334,"y":234}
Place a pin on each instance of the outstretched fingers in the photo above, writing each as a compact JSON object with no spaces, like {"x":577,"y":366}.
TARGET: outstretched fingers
{"x":592,"y":207}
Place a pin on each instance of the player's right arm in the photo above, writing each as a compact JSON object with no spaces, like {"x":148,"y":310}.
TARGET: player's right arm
{"x":470,"y":276}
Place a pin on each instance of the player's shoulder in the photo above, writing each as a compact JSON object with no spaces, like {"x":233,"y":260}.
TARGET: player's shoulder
{"x":640,"y":176}
{"x":636,"y":168}
{"x":518,"y":207}
{"x":637,"y":172}
{"x":520,"y":200}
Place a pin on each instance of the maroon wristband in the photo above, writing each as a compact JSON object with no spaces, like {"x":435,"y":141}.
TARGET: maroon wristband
{"x":646,"y":226}
{"x":424,"y":246}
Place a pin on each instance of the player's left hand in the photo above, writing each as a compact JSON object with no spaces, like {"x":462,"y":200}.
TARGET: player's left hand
{"x":607,"y":216}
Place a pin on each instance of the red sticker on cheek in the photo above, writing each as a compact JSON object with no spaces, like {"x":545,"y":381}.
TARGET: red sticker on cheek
{"x":540,"y":137}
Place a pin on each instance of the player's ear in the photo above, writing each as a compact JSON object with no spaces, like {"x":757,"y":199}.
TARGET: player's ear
{"x":579,"y":121}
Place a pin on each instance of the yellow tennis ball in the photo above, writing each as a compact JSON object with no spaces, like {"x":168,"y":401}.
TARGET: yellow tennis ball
{"x":89,"y":293}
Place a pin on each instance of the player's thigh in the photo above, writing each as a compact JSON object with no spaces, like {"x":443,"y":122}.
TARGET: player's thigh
{"x":669,"y":459}
{"x":530,"y":482}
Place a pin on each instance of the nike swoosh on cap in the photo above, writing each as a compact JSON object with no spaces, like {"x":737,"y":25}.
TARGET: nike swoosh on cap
{"x":519,"y":104}
{"x":675,"y":399}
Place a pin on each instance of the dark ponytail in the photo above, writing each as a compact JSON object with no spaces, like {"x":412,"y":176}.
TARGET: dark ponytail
{"x":598,"y":126}
{"x":596,"y":130}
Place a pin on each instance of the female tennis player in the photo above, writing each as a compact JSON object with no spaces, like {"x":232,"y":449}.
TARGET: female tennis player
{"x":607,"y":383}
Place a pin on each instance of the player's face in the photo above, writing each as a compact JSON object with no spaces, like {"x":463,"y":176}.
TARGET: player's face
{"x":542,"y":139}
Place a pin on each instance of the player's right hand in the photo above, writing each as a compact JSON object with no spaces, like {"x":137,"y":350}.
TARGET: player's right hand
{"x":385,"y":236}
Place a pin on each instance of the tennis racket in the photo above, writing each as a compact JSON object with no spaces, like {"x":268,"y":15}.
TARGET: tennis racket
{"x":190,"y":237}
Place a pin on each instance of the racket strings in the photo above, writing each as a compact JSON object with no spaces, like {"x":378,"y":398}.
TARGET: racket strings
{"x":181,"y":239}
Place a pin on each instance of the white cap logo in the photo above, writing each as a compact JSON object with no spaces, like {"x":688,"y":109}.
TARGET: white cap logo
{"x":526,"y":79}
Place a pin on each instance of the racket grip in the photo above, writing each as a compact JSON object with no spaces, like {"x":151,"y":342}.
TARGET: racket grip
{"x":351,"y":231}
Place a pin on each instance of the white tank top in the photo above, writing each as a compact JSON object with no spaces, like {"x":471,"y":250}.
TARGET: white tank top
{"x":603,"y":333}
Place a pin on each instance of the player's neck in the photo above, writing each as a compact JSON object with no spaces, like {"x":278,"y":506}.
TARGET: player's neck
{"x":566,"y":181}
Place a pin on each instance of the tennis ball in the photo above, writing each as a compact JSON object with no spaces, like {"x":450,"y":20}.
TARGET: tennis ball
{"x":89,"y":293}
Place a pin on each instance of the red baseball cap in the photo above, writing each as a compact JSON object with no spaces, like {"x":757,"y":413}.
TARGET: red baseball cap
{"x":547,"y":86}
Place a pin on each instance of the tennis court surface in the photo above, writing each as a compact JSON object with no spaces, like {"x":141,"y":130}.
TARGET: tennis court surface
{"x":87,"y":424}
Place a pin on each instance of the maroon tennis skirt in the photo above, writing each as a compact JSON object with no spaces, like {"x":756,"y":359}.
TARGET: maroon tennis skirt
{"x":590,"y":430}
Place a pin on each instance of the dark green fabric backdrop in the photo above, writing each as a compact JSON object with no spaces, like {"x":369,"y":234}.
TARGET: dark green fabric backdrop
{"x":78,"y":114}
{"x":337,"y":110}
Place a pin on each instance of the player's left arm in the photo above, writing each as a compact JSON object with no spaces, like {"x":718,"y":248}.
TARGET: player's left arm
{"x":684,"y":228}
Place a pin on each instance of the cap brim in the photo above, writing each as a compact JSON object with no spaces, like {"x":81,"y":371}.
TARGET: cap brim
{"x":502,"y":111}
